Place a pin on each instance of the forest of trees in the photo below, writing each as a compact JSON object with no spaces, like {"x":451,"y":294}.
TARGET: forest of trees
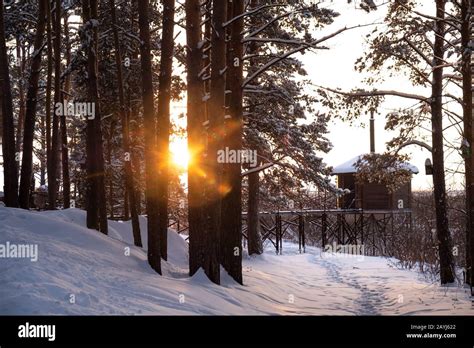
{"x":87,"y":89}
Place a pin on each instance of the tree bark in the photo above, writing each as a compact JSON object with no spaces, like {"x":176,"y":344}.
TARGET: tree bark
{"x":92,"y":199}
{"x":64,"y":141}
{"x":195,"y":119}
{"x":467,"y":39}
{"x":20,"y":56}
{"x":253,"y":221}
{"x":130,"y":189}
{"x":214,"y":190}
{"x":109,"y":174}
{"x":8,"y":142}
{"x":163,"y":121}
{"x":443,"y":233}
{"x":231,"y":213}
{"x":30,"y":113}
{"x":49,"y":79}
{"x":154,"y":257}
{"x":53,"y":168}
{"x":96,"y":200}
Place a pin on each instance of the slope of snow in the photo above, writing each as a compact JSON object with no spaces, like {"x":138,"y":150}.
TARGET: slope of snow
{"x":75,"y":263}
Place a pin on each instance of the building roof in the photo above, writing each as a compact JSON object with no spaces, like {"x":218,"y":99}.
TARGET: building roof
{"x":350,"y":167}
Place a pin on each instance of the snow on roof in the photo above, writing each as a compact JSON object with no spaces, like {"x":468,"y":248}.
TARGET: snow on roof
{"x":349,"y":167}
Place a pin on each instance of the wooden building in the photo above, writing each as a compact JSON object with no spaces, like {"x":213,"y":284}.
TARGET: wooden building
{"x":370,"y":196}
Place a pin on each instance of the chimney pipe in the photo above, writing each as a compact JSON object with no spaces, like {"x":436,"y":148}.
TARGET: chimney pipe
{"x":372,"y":132}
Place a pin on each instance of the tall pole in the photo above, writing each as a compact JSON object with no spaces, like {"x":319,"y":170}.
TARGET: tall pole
{"x":372,"y":132}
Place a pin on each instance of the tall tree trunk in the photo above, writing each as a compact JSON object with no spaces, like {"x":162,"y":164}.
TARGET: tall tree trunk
{"x":30,"y":113}
{"x":253,"y":221}
{"x":20,"y":56}
{"x":443,"y":233}
{"x":129,"y":186}
{"x":132,"y":115}
{"x":467,"y":118}
{"x":53,"y":168}
{"x":231,"y":213}
{"x":64,"y":141}
{"x":467,"y":68}
{"x":110,"y":177}
{"x":49,"y":79}
{"x":154,"y":257}
{"x":8,"y":137}
{"x":216,"y":115}
{"x":96,"y":200}
{"x":43,"y":152}
{"x":195,"y":119}
{"x":126,"y":204}
{"x":163,"y":121}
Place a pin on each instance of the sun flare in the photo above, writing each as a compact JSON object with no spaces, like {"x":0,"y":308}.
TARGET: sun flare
{"x":179,"y":153}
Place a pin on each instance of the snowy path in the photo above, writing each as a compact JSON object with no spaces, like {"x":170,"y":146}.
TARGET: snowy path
{"x":73,"y":260}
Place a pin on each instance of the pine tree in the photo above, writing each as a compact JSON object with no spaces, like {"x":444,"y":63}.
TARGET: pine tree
{"x":49,"y":79}
{"x":154,"y":257}
{"x":163,"y":121}
{"x":54,"y":159}
{"x":63,"y":125}
{"x":231,"y":213}
{"x":8,"y":135}
{"x":214,"y":188}
{"x":30,"y":113}
{"x":95,"y":200}
{"x":130,"y":189}
{"x":195,"y":119}
{"x":444,"y":236}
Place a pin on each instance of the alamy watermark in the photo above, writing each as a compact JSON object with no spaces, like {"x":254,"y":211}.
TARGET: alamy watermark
{"x":241,"y":156}
{"x":19,"y":251}
{"x":28,"y":330}
{"x":343,"y":251}
{"x":75,"y":109}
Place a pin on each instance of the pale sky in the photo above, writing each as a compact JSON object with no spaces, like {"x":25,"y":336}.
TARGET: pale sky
{"x":335,"y":68}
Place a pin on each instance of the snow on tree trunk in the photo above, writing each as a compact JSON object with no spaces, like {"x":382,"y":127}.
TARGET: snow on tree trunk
{"x":154,"y":257}
{"x":30,"y":113}
{"x":443,"y":233}
{"x":64,"y":135}
{"x":215,"y":125}
{"x":8,"y":141}
{"x":231,"y":213}
{"x":163,"y":121}
{"x":54,"y":160}
{"x":195,"y":119}
{"x":95,"y":195}
{"x":130,"y":189}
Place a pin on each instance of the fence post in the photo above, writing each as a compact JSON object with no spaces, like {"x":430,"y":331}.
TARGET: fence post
{"x":304,"y":236}
{"x":301,"y":230}
{"x":277,"y":233}
{"x":324,"y":229}
{"x":281,"y":235}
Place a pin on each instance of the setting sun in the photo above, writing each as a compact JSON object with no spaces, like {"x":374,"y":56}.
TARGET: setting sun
{"x":180,"y":153}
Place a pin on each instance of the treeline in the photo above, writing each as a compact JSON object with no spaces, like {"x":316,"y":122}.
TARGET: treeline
{"x":87,"y":89}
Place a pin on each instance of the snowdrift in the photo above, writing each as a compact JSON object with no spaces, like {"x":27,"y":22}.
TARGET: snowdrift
{"x":82,"y":272}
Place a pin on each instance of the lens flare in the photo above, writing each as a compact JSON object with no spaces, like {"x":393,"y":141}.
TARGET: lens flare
{"x":179,"y":153}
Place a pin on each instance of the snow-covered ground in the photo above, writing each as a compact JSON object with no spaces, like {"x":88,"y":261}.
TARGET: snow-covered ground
{"x":80,"y":271}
